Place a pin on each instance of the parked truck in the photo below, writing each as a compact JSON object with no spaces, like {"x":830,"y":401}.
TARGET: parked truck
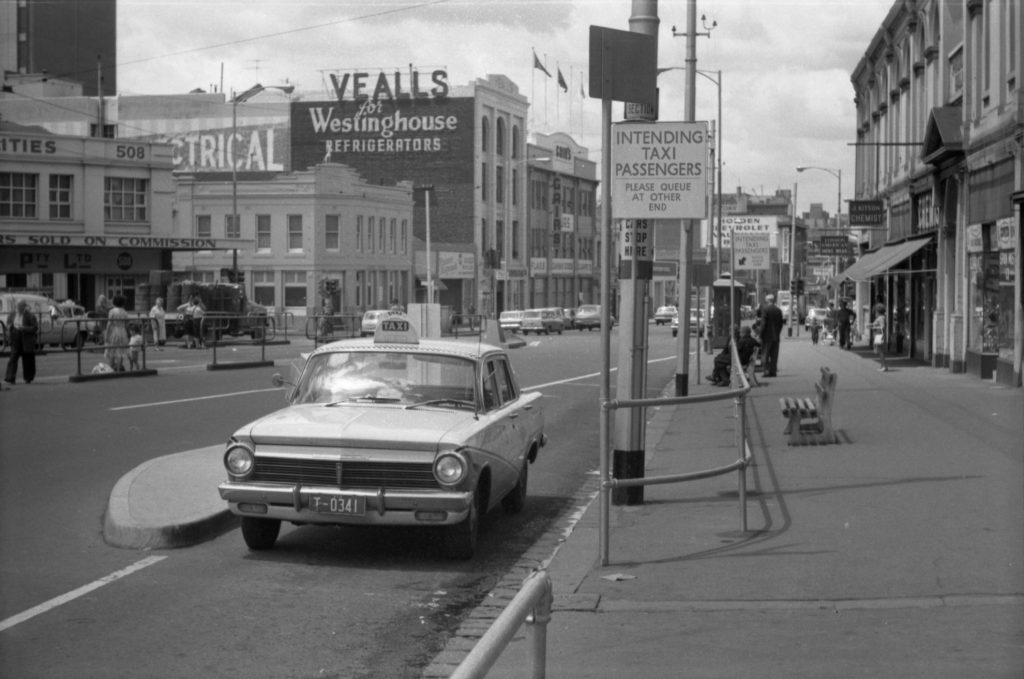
{"x":228,"y":311}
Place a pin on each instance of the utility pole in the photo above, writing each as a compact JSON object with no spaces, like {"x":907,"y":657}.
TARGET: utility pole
{"x":687,"y":225}
{"x":630,"y":428}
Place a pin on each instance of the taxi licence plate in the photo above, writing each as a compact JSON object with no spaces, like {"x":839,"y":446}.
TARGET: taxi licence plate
{"x":350,"y":505}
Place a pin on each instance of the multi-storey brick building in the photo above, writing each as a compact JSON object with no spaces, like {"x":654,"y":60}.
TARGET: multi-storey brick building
{"x":939,"y":145}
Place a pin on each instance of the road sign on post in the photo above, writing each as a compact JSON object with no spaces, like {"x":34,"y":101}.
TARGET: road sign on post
{"x":658,"y":170}
{"x":636,"y":249}
{"x":751,"y":251}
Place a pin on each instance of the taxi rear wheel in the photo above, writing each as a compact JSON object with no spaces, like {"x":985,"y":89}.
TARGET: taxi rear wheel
{"x":460,"y":540}
{"x":260,"y":533}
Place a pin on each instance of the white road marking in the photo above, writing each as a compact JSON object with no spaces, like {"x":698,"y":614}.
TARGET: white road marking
{"x":74,"y":594}
{"x":195,"y":398}
{"x":588,"y":376}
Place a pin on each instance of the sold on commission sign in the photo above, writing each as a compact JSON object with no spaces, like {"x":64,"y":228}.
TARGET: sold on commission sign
{"x":658,"y":170}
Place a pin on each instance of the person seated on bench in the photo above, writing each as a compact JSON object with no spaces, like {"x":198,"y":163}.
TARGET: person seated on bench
{"x":746,"y":347}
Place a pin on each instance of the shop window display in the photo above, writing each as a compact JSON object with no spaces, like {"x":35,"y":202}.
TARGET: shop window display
{"x":992,"y":272}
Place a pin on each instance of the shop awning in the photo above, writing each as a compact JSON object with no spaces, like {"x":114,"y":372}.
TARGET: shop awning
{"x":880,"y":261}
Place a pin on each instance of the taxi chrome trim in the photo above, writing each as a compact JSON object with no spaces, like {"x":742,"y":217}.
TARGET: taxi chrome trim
{"x":383,"y":506}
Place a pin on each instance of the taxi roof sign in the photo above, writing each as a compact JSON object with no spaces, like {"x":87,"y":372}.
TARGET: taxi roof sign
{"x":395,"y":328}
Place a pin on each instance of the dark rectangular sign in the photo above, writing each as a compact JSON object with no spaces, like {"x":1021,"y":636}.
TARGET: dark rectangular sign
{"x":623,"y":66}
{"x":867,"y":213}
{"x":834,"y":246}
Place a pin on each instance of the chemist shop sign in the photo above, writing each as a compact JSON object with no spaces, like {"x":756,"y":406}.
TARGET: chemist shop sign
{"x":658,"y":170}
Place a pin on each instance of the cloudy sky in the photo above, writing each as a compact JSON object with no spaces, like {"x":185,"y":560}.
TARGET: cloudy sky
{"x":786,"y":64}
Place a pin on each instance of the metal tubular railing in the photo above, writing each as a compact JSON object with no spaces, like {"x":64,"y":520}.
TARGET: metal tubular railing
{"x":287,"y":321}
{"x":468,"y":324}
{"x":738,"y":393}
{"x":531,"y":605}
{"x":324,"y":328}
{"x":99,"y":347}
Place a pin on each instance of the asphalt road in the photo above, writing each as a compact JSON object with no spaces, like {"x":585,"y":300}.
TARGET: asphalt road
{"x":326,"y":602}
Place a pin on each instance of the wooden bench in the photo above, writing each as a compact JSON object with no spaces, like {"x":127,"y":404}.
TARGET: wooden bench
{"x":809,"y":420}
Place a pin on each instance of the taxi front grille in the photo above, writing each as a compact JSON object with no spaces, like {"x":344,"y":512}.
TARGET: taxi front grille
{"x":357,"y":474}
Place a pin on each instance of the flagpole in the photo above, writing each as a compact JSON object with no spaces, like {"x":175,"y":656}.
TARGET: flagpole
{"x":533,"y":91}
{"x":570,"y":101}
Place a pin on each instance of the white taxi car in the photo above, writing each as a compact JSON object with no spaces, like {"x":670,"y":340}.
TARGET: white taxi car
{"x":393,"y":430}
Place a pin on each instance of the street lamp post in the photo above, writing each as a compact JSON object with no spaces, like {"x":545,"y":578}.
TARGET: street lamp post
{"x":235,"y":101}
{"x":838,"y":174}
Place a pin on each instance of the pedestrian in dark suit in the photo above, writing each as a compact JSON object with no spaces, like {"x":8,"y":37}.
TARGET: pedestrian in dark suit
{"x":22,"y":332}
{"x":771,"y":334}
{"x":845,"y":318}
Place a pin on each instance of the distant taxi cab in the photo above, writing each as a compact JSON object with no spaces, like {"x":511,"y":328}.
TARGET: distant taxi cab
{"x":389,"y":431}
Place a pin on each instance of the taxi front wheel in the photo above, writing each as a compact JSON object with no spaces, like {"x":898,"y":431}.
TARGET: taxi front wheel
{"x":260,"y":533}
{"x":460,"y":539}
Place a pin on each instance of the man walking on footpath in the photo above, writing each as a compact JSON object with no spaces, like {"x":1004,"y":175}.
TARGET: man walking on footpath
{"x":771,"y":334}
{"x":23,"y":330}
{"x":844,"y":319}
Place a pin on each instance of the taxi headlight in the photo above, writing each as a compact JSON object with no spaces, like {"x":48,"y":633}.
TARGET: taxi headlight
{"x":239,"y":460}
{"x":450,"y":468}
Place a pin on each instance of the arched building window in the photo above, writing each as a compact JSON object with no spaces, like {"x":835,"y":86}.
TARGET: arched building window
{"x":499,"y":142}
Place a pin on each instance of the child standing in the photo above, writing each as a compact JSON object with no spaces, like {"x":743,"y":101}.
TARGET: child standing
{"x":134,"y":346}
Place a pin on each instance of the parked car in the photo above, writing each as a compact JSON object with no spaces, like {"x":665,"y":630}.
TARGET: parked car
{"x":370,"y":320}
{"x":818,"y":314}
{"x":589,"y":316}
{"x":665,"y":314}
{"x":61,"y":324}
{"x":511,"y":321}
{"x":544,"y":321}
{"x":389,"y":431}
{"x":697,"y":324}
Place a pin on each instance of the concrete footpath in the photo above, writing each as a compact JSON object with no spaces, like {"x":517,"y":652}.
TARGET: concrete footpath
{"x":898,"y":552}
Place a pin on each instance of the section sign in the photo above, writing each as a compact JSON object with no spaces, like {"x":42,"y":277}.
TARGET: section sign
{"x":659,"y":170}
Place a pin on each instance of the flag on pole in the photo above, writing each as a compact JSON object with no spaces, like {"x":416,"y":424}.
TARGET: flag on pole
{"x":537,"y":64}
{"x":561,"y":81}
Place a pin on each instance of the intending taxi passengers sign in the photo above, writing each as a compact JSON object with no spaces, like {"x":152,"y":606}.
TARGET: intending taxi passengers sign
{"x":658,"y":170}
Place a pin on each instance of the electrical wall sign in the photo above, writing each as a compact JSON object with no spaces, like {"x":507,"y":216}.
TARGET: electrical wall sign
{"x":658,"y":170}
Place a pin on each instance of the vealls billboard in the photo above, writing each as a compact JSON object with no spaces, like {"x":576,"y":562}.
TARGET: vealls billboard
{"x":392,"y":128}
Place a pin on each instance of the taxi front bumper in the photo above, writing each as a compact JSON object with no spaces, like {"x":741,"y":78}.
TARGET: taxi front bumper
{"x":383,"y":507}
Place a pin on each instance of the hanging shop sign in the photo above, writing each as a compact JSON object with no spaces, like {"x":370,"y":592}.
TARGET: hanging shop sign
{"x":867,"y":213}
{"x":834,"y":246}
